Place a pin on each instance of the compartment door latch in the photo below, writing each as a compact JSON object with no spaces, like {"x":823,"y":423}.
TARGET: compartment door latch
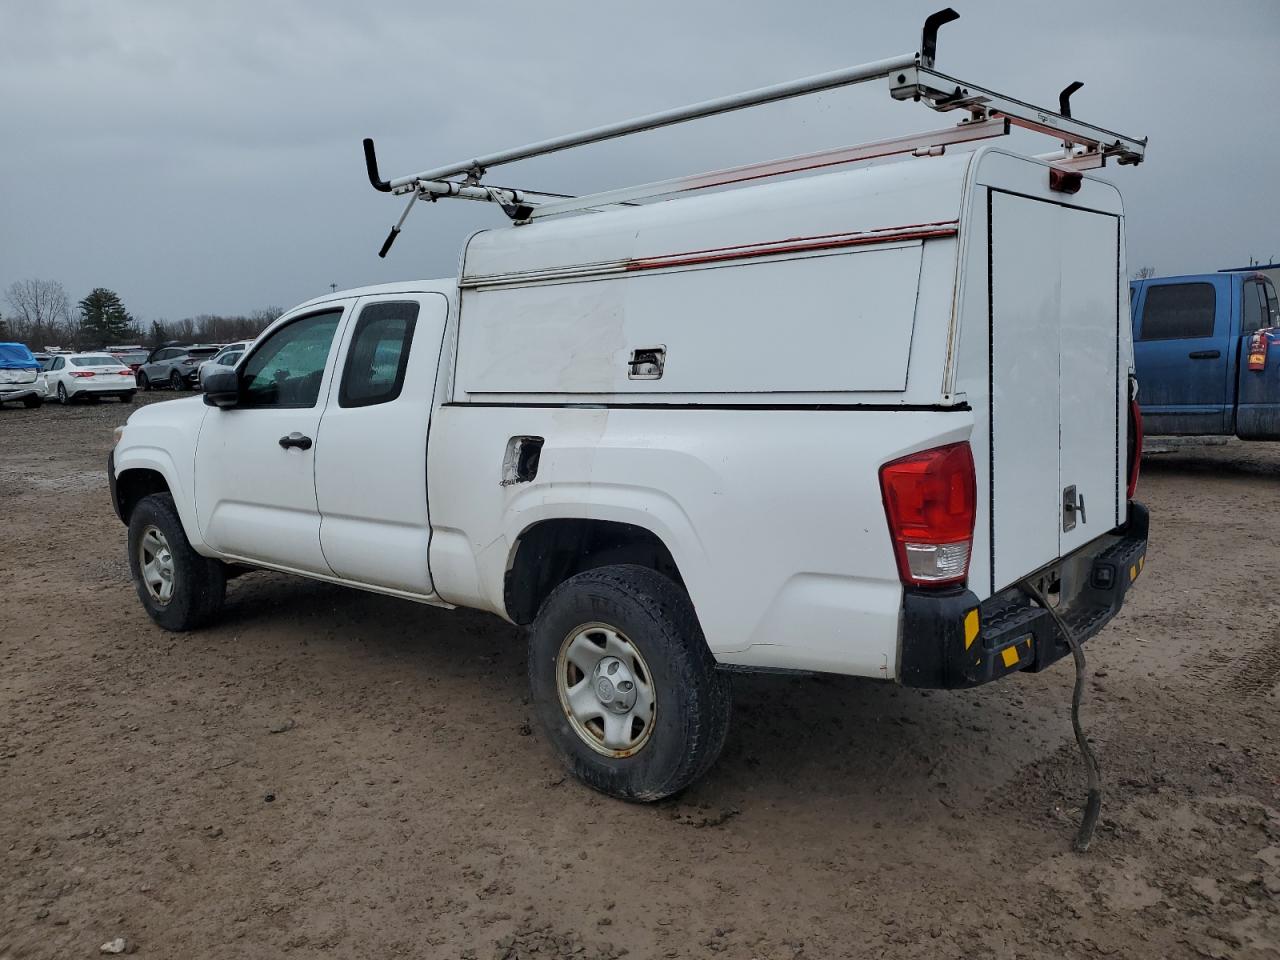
{"x":1071,"y":506}
{"x":646,"y":363}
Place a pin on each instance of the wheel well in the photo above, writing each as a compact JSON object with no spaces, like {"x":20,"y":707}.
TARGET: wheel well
{"x":550,"y":552}
{"x":133,"y":485}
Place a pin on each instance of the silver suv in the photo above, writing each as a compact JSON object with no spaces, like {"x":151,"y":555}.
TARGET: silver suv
{"x":174,"y":365}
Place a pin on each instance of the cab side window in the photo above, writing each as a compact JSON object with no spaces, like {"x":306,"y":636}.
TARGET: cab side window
{"x":57,"y":363}
{"x":378,"y":355}
{"x":287,"y":367}
{"x":1253,"y":308}
{"x":1178,"y":311}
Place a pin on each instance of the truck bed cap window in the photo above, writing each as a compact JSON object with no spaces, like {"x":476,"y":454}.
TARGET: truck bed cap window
{"x":1178,"y":311}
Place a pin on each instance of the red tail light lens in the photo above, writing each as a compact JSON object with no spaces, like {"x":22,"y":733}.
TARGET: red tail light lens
{"x":930,"y":499}
{"x":82,"y":373}
{"x":1258,"y":345}
{"x":1135,"y":445}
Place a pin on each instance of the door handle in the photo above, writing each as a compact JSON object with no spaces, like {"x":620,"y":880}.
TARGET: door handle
{"x":1205,"y":354}
{"x":296,"y":440}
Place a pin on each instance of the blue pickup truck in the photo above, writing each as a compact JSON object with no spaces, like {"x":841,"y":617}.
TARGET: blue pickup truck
{"x":1207,"y":352}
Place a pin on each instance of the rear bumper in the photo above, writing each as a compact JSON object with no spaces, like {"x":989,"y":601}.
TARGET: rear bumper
{"x":114,"y":387}
{"x":951,"y":640}
{"x":19,"y":391}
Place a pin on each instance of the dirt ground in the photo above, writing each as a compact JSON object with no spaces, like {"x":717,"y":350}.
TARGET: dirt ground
{"x":327,"y":773}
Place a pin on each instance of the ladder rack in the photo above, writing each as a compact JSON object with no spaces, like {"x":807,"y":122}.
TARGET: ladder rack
{"x":910,"y":77}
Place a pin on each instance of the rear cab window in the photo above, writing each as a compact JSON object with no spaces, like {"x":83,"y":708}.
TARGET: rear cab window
{"x":103,"y":361}
{"x":1178,"y":311}
{"x":378,"y":355}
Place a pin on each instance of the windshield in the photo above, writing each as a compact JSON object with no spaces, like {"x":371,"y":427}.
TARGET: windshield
{"x":95,"y":361}
{"x":202,"y":352}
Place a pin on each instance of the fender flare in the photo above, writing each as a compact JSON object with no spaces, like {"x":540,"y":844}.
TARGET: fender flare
{"x":158,"y":460}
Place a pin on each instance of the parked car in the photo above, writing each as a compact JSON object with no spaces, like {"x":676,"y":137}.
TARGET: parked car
{"x":19,"y":375}
{"x":88,"y":376}
{"x":228,"y":356}
{"x":44,"y":359}
{"x":847,"y":422}
{"x":174,"y":365}
{"x":1207,"y":353}
{"x":133,"y":359}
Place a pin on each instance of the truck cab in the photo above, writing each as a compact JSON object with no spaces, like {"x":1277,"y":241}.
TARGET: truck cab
{"x":1192,"y":336}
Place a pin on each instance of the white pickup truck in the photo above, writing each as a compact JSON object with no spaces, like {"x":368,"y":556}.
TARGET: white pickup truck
{"x":836,"y":423}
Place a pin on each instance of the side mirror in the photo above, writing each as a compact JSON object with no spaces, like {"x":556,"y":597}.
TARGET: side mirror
{"x":222,"y":388}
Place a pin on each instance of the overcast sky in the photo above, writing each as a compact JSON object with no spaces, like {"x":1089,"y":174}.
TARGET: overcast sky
{"x":204,"y":157}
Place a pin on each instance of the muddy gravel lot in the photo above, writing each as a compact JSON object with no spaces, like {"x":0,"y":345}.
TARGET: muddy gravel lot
{"x":327,"y":773}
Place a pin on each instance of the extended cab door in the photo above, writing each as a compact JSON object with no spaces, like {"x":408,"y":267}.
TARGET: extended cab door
{"x":1258,"y":391}
{"x":255,"y":462}
{"x":1183,"y":352}
{"x":371,"y":459}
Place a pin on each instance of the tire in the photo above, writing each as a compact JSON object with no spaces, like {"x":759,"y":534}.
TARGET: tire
{"x":198,"y":584}
{"x":651,"y":615}
{"x":126,"y":398}
{"x":175,"y":381}
{"x":144,"y":382}
{"x":62,"y":395}
{"x":32,"y":403}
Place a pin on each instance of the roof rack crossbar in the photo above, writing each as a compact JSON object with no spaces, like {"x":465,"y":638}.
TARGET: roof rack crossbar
{"x":942,"y":92}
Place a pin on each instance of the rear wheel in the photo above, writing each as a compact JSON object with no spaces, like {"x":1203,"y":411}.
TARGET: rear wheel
{"x":175,"y":381}
{"x":179,"y":589}
{"x":126,"y":398}
{"x":624,"y":684}
{"x":32,"y":402}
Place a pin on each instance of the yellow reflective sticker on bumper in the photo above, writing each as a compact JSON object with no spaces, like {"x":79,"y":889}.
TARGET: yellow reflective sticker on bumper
{"x":1009,"y":655}
{"x":970,"y":628}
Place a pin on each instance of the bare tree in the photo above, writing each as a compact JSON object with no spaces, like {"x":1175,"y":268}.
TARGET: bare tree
{"x":214,"y":328}
{"x":1143,"y":273}
{"x":41,"y":312}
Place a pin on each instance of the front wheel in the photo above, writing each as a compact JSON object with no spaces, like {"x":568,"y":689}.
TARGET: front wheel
{"x":62,"y":395}
{"x":624,"y":684}
{"x":144,"y":382}
{"x":179,"y":589}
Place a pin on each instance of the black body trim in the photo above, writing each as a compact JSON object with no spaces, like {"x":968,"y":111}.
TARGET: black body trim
{"x":1013,"y":633}
{"x":111,"y":484}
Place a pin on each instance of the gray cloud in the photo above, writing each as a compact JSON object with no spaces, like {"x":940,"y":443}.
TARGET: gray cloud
{"x":205,"y":157}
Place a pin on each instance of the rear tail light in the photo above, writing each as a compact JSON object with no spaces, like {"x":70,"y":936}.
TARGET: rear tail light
{"x":1135,"y":443}
{"x":1258,"y":344}
{"x":930,"y":499}
{"x":82,"y":373}
{"x":126,"y":372}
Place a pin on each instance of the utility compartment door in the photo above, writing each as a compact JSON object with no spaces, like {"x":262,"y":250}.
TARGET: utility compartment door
{"x":1089,"y":332}
{"x":1026,"y":286}
{"x":1054,"y":389}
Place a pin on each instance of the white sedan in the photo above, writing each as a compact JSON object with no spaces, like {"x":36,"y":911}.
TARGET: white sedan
{"x":76,"y":375}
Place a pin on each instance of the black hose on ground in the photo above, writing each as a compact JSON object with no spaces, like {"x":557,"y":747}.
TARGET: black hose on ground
{"x":1093,"y":805}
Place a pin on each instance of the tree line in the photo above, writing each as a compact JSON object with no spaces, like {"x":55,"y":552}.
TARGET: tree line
{"x":40,"y":315}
